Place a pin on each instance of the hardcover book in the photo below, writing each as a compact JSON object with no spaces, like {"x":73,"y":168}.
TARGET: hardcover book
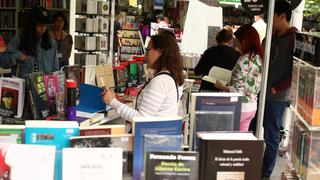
{"x":229,"y":155}
{"x":38,"y":98}
{"x":12,"y":94}
{"x":51,"y":82}
{"x":88,"y":75}
{"x":90,"y":99}
{"x":171,"y":125}
{"x":55,"y":133}
{"x":101,"y":130}
{"x":171,"y":165}
{"x":13,"y":131}
{"x":124,"y":141}
{"x":213,"y":112}
{"x":28,"y":161}
{"x":93,"y":163}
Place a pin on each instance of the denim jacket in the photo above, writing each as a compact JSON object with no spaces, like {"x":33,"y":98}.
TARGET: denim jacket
{"x":47,"y":59}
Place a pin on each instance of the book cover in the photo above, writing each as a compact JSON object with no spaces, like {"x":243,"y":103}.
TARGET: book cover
{"x":72,"y":72}
{"x":12,"y":93}
{"x":90,"y":99}
{"x":15,"y":131}
{"x":213,"y":112}
{"x":171,"y":165}
{"x":124,"y":141}
{"x":88,"y":75}
{"x":55,"y":133}
{"x":28,"y":161}
{"x":51,"y":82}
{"x":171,"y":125}
{"x":103,"y":7}
{"x":218,"y":74}
{"x":104,"y":75}
{"x":101,"y":130}
{"x":37,"y":95}
{"x":229,"y":155}
{"x":93,"y":163}
{"x":153,"y":142}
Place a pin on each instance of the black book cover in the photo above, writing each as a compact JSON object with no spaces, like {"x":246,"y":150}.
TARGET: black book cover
{"x":171,"y":165}
{"x":230,"y":159}
{"x":38,"y":96}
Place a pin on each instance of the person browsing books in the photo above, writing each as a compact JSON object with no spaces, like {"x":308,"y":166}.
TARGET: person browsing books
{"x":221,"y":55}
{"x":246,"y":75}
{"x":34,"y":50}
{"x":63,"y":39}
{"x":160,"y":95}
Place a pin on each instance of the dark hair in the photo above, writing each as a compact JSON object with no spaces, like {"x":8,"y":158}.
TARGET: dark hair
{"x":63,"y":16}
{"x":170,"y":58}
{"x":283,"y":6}
{"x":249,"y":39}
{"x":28,"y":40}
{"x":167,"y":32}
{"x":224,"y":35}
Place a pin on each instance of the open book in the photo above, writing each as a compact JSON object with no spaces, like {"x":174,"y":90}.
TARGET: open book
{"x":218,"y":73}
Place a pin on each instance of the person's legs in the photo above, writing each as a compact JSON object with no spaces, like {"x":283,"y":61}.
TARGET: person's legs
{"x":272,"y":122}
{"x":245,"y":120}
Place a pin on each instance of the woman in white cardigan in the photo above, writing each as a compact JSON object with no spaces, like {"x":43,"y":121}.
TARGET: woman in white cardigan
{"x":160,"y":95}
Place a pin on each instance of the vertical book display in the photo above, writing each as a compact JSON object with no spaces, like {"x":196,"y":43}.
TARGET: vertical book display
{"x":306,"y":107}
{"x":92,"y":25}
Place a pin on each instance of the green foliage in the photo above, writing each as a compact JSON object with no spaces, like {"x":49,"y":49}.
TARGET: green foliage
{"x":312,"y":7}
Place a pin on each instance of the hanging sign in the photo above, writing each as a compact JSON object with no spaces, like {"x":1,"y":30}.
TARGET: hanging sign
{"x":254,"y":7}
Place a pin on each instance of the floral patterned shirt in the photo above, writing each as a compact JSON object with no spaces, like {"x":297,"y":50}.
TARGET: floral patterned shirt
{"x":246,"y":77}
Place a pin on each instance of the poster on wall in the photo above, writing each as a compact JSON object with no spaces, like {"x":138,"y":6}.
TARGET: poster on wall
{"x":158,"y":4}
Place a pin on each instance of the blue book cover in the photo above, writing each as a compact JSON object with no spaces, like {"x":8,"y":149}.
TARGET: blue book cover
{"x":90,"y":99}
{"x":151,"y":125}
{"x":55,"y":133}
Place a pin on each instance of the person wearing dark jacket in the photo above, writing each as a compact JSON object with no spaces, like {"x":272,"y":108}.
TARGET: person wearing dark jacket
{"x":221,"y":55}
{"x":279,"y":83}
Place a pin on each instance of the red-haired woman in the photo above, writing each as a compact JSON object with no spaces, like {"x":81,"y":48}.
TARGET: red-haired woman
{"x":246,"y":75}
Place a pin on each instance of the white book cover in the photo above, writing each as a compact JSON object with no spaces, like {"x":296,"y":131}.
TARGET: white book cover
{"x":101,"y":59}
{"x":103,"y":24}
{"x":12,"y":93}
{"x":88,"y":43}
{"x":218,"y":73}
{"x":103,"y":7}
{"x":92,"y":163}
{"x":90,"y":75}
{"x":90,"y":59}
{"x":34,"y":162}
{"x":102,"y":43}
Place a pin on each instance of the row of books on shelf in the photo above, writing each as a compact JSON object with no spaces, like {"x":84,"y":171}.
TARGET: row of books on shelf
{"x":153,"y":151}
{"x":130,"y":42}
{"x":92,"y":25}
{"x":130,"y":50}
{"x":8,"y":3}
{"x":85,"y":59}
{"x":130,"y":34}
{"x":60,"y":4}
{"x":91,"y":43}
{"x":98,"y":7}
{"x":305,"y":149}
{"x":306,"y":91}
{"x":7,"y":19}
{"x":190,"y":60}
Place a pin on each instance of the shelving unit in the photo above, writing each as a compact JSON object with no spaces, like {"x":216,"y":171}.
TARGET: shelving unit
{"x":13,"y":12}
{"x":94,"y":32}
{"x":305,"y":107}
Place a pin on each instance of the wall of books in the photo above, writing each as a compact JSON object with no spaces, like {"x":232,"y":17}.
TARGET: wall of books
{"x":305,"y":98}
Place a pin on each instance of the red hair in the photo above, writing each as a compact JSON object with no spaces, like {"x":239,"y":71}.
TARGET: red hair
{"x":249,"y":39}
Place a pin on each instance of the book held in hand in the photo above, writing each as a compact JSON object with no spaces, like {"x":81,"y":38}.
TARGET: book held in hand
{"x":218,"y":73}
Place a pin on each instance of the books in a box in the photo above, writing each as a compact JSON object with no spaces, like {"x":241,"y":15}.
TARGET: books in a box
{"x":93,"y":163}
{"x":171,"y":165}
{"x":171,"y":125}
{"x":229,"y":155}
{"x":12,"y":94}
{"x":101,"y":130}
{"x":124,"y":141}
{"x":218,"y":74}
{"x":13,"y":132}
{"x":55,"y":133}
{"x":214,"y":112}
{"x":29,"y":161}
{"x":37,"y":95}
